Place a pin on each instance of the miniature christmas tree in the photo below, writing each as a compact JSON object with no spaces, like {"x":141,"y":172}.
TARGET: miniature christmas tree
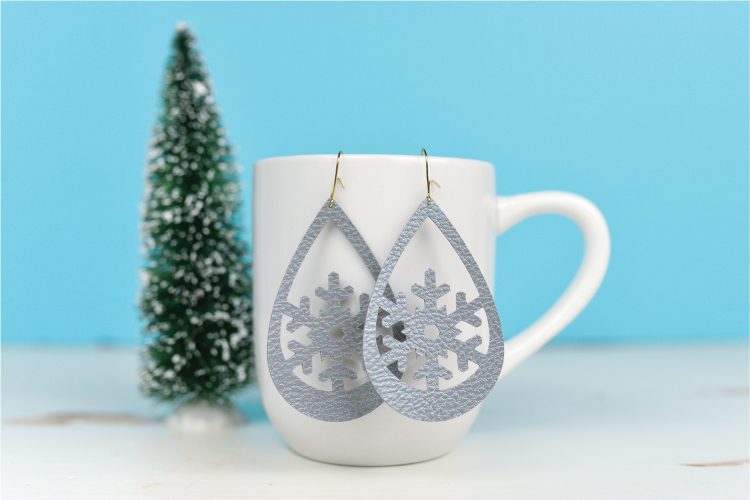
{"x":196,"y":296}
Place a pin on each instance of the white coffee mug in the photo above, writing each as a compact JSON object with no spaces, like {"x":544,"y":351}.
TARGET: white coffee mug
{"x":381,"y":192}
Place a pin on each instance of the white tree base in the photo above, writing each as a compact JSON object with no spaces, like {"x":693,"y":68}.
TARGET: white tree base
{"x":202,"y":416}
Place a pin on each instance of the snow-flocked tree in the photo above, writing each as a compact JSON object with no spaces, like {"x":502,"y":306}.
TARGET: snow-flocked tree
{"x":196,"y":294}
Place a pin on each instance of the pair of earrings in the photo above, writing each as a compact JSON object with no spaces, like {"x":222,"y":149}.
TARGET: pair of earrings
{"x":384,"y":331}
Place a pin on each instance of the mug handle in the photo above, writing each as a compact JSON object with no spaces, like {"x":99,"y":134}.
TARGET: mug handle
{"x":513,"y":209}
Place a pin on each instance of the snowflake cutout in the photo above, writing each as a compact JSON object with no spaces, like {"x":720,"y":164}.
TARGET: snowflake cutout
{"x":419,"y":330}
{"x":335,"y":333}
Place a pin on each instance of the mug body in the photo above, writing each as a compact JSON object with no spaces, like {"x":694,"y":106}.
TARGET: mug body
{"x":381,"y":193}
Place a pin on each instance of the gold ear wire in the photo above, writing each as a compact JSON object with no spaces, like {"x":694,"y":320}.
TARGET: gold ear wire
{"x":427,"y":175}
{"x":336,"y":180}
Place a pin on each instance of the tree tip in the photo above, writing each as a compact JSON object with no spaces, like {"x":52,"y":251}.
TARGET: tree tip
{"x":182,"y":26}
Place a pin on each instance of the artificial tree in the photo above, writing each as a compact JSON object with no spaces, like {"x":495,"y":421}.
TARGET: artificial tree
{"x":196,"y":294}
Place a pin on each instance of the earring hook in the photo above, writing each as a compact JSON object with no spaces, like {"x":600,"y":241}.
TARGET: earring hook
{"x":336,"y":179}
{"x":427,"y":175}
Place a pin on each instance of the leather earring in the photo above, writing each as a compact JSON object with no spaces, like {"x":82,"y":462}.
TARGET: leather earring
{"x":433,"y":404}
{"x":335,"y":333}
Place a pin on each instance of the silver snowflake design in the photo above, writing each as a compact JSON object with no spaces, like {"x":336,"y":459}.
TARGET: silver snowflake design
{"x":431,"y":332}
{"x":335,"y":334}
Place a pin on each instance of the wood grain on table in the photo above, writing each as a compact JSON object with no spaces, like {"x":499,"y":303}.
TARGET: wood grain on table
{"x":658,"y":422}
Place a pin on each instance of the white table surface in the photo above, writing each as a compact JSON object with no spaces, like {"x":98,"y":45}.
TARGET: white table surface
{"x":572,"y":423}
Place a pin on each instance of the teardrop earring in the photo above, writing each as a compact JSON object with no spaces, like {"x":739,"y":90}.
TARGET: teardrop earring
{"x":419,"y":327}
{"x":335,"y":333}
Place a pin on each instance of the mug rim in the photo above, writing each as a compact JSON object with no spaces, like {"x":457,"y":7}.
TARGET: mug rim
{"x":439,"y":159}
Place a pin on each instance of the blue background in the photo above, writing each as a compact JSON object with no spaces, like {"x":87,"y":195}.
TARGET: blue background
{"x":641,"y":107}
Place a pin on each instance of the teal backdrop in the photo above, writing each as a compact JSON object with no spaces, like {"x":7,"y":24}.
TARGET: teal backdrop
{"x":642,"y":107}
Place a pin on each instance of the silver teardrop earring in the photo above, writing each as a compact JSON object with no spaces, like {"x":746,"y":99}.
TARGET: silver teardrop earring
{"x":432,"y":404}
{"x":335,"y":334}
